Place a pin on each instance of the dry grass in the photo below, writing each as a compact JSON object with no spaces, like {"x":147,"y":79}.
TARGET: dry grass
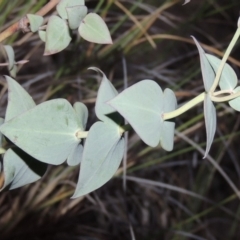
{"x":176,"y":195}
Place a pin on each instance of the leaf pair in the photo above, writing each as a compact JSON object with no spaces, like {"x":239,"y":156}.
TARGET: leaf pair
{"x":73,"y":13}
{"x":143,"y":105}
{"x":18,"y":168}
{"x":47,"y":132}
{"x":104,"y":146}
{"x":227,"y":81}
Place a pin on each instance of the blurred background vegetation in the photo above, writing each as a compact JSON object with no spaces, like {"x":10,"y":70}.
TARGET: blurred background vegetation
{"x":170,"y":196}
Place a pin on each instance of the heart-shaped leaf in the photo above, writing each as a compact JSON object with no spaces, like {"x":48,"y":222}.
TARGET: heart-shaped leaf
{"x":62,"y":6}
{"x":47,"y":132}
{"x":228,"y":80}
{"x":235,"y":103}
{"x":142,"y":106}
{"x":93,"y":29}
{"x":167,"y":134}
{"x":75,"y":15}
{"x":35,"y":21}
{"x":57,"y":36}
{"x":20,"y":169}
{"x":102,"y":155}
{"x":210,"y":121}
{"x":19,"y":100}
{"x":207,"y":71}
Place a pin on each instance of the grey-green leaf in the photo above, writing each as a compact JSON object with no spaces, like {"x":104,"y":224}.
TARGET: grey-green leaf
{"x":228,"y":80}
{"x":10,"y":55}
{"x":75,"y":15}
{"x":62,"y":6}
{"x":20,"y":169}
{"x":19,"y":100}
{"x":13,"y":71}
{"x":93,"y":29}
{"x":167,"y":134}
{"x":207,"y":71}
{"x":75,"y":156}
{"x":142,"y":106}
{"x":35,"y":21}
{"x":210,"y":121}
{"x":47,"y":132}
{"x":106,"y":92}
{"x":42,"y":35}
{"x":102,"y":155}
{"x":235,"y":103}
{"x":82,"y":114}
{"x":57,"y":35}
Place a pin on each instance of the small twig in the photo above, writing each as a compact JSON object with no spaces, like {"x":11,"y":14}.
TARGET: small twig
{"x":19,"y":25}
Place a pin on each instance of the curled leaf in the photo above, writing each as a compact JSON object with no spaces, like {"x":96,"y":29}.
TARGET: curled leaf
{"x":207,"y":71}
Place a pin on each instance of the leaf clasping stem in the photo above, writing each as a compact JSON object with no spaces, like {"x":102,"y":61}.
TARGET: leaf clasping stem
{"x":224,"y":59}
{"x":81,"y":134}
{"x":226,"y":98}
{"x":185,"y":107}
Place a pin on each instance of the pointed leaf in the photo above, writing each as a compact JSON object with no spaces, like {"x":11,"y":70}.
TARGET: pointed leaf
{"x":102,"y":155}
{"x":47,"y":132}
{"x":20,"y":171}
{"x":167,"y":134}
{"x":235,"y":103}
{"x":228,"y":80}
{"x":35,"y":21}
{"x":10,"y":55}
{"x":19,"y":100}
{"x":75,"y":15}
{"x":142,"y":106}
{"x":207,"y":71}
{"x":82,"y":114}
{"x":94,"y":29}
{"x":62,"y":6}
{"x":210,"y":121}
{"x":106,"y":92}
{"x":57,"y":36}
{"x":75,"y":156}
{"x":42,"y":35}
